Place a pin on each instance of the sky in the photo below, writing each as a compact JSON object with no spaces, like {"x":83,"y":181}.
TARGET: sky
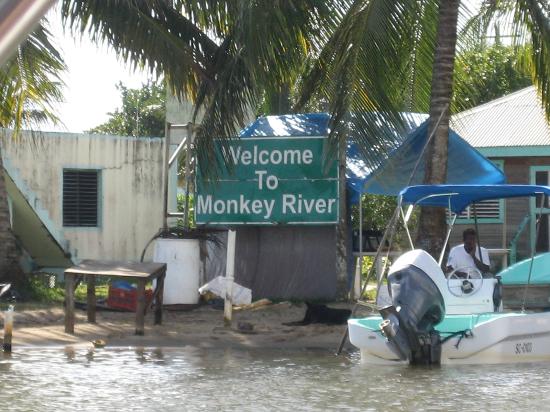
{"x":93,"y":71}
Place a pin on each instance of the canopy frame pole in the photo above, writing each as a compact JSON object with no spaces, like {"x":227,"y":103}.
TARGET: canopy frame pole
{"x":405,"y":218}
{"x":477,"y":234}
{"x":533,"y":249}
{"x":449,"y":230}
{"x":448,"y":235}
{"x":391,"y":225}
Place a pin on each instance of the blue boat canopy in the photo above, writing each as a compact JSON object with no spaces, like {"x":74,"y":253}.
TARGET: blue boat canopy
{"x":465,"y":165}
{"x":458,"y":197}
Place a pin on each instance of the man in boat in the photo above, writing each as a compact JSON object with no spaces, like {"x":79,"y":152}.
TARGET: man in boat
{"x":467,"y":254}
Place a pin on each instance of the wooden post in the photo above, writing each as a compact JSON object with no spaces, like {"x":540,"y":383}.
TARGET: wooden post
{"x":140,"y":310}
{"x":91,"y":300}
{"x":8,"y":329}
{"x":159,"y":297}
{"x":69,"y":303}
{"x":229,"y":277}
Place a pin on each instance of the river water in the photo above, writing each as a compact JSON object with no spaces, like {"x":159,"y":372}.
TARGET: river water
{"x":259,"y":380}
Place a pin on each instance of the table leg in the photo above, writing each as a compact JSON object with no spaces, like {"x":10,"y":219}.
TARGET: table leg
{"x":140,"y":310}
{"x":158,"y":299}
{"x":69,"y":303}
{"x":91,"y":299}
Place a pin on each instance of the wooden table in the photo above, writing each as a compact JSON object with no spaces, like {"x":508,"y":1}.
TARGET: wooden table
{"x":140,"y":273}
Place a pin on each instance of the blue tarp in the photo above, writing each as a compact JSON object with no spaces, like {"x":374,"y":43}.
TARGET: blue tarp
{"x":466,"y":165}
{"x":458,"y":197}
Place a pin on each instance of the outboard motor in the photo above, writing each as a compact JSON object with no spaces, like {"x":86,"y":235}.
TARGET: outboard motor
{"x":418,"y":306}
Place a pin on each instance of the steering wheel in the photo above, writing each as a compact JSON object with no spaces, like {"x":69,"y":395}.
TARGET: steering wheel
{"x":464,"y":282}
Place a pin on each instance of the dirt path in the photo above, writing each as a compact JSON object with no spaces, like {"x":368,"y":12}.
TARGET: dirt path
{"x":202,"y":327}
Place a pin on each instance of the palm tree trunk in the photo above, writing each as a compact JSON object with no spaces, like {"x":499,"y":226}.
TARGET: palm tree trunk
{"x":431,"y":229}
{"x":9,"y":268}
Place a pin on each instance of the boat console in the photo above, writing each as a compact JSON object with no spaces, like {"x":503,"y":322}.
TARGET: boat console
{"x":421,"y":297}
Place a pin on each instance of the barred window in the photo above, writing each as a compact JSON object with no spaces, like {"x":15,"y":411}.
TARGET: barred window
{"x":80,"y":198}
{"x":486,"y":209}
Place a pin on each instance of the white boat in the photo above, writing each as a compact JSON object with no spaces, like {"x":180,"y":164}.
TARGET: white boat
{"x":449,"y":319}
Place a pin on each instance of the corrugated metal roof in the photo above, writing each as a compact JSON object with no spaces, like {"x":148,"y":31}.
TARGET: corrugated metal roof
{"x":517,"y":119}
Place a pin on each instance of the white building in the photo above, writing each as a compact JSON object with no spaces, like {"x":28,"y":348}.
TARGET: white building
{"x":81,"y":196}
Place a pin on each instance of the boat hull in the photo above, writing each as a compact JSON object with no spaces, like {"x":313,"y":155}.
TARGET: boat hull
{"x":495,"y":338}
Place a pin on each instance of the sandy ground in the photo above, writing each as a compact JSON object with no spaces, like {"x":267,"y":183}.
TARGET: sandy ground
{"x":202,"y":327}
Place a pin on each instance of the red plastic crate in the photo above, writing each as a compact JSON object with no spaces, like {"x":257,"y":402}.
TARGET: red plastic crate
{"x":125,"y":299}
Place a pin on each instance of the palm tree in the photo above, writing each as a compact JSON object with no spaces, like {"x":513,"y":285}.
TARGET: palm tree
{"x":29,"y":86}
{"x":384,"y":57}
{"x":431,"y":225}
{"x":373,"y":58}
{"x":225,"y":56}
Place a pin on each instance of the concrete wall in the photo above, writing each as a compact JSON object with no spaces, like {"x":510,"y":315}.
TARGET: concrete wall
{"x":130,"y":187}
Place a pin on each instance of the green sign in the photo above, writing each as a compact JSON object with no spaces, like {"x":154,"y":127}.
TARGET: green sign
{"x":270,"y":181}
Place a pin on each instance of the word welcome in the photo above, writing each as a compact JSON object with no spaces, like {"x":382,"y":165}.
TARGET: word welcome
{"x":264,"y":157}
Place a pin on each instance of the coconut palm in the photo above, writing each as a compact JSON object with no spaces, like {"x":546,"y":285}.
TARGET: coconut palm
{"x":373,"y":58}
{"x":29,"y":86}
{"x":222,"y":55}
{"x":385,"y":57}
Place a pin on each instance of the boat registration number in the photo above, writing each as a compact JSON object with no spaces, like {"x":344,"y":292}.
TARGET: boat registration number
{"x":524,"y":347}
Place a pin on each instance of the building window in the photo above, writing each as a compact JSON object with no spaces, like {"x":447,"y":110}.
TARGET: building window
{"x":488,"y":211}
{"x":80,"y":197}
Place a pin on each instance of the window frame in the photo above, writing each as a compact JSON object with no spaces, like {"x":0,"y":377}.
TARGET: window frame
{"x":487,"y":220}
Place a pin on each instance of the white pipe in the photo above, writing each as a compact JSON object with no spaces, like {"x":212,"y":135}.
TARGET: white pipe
{"x":17,"y":19}
{"x":189,"y":140}
{"x":229,"y":277}
{"x":449,"y":230}
{"x":404,"y":217}
{"x":359,"y":265}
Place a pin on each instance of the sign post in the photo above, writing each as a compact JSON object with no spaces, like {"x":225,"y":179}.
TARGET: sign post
{"x":266,"y":181}
{"x":229,"y":278}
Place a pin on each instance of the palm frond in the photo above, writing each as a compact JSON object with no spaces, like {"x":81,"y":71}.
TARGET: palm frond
{"x":375,"y":63}
{"x":30,"y":83}
{"x":221,"y":55}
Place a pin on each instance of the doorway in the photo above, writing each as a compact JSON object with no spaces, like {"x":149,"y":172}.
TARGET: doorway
{"x":540,"y":175}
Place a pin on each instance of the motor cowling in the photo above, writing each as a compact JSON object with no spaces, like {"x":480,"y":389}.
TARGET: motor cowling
{"x":417,"y":307}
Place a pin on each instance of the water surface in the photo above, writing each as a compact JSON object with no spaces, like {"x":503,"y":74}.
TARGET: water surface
{"x":192,"y":379}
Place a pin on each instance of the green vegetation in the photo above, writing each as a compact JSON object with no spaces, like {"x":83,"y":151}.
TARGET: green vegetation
{"x":143,"y":112}
{"x":181,"y":206}
{"x":487,"y":73}
{"x":38,"y":290}
{"x":233,"y":58}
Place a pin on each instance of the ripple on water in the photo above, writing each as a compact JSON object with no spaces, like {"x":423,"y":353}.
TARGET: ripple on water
{"x":193,"y":379}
